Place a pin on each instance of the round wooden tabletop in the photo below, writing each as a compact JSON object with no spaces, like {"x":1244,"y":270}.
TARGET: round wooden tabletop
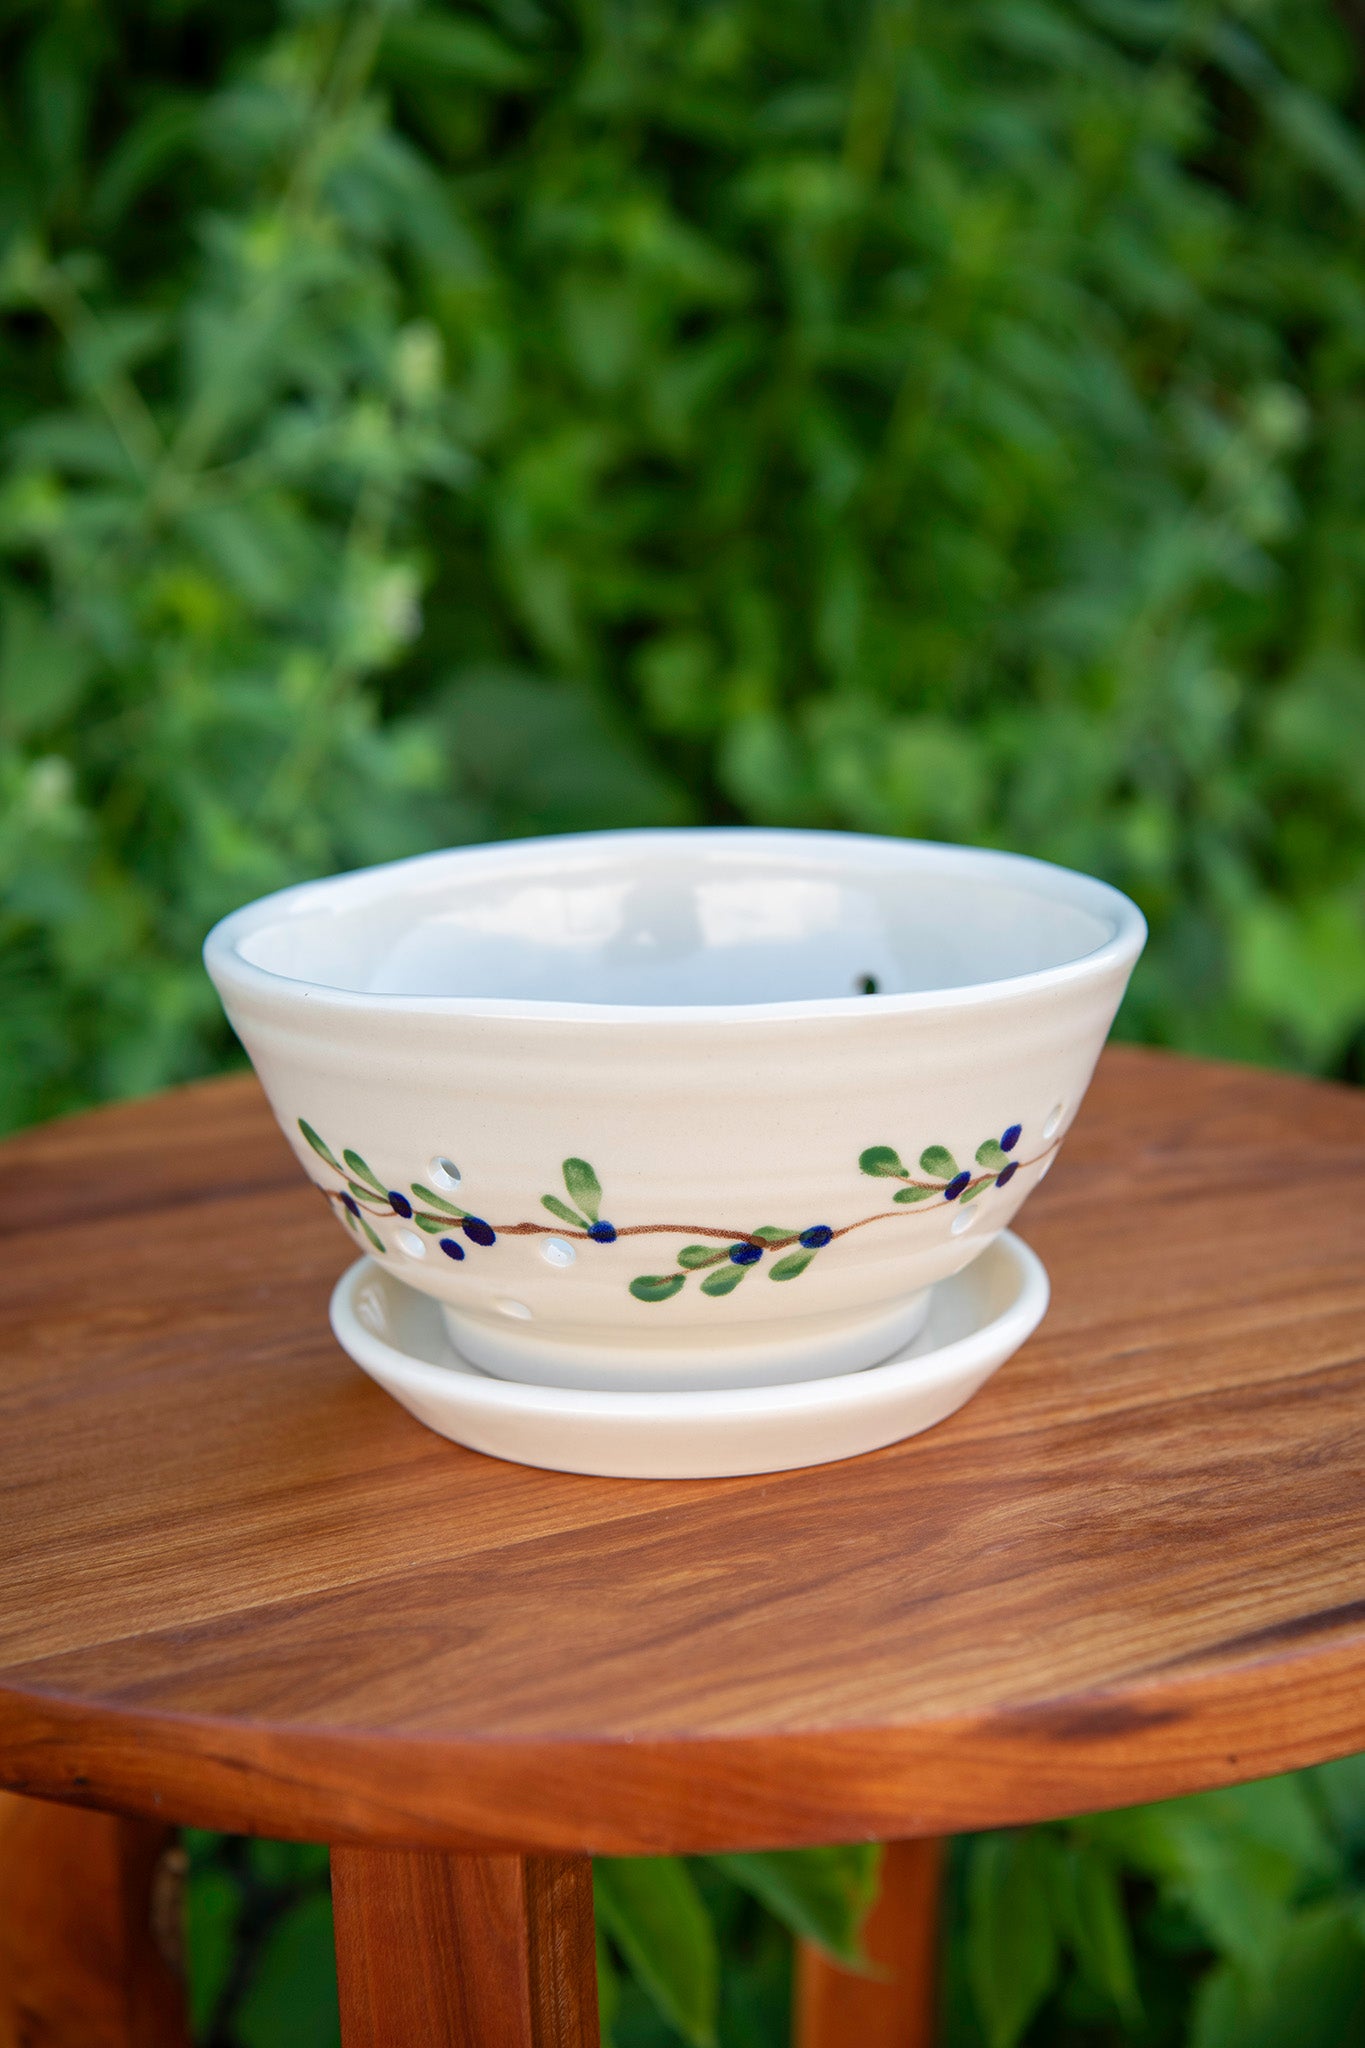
{"x":240,"y":1587}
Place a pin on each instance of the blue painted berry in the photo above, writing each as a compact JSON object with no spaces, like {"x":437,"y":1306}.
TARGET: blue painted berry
{"x":351,"y":1203}
{"x":477,"y":1231}
{"x":450,"y":1248}
{"x":1007,"y":1173}
{"x":818,"y":1234}
{"x":956,"y":1186}
{"x":602,"y":1233}
{"x":745,"y":1254}
{"x":399,"y":1203}
{"x":1011,"y":1138}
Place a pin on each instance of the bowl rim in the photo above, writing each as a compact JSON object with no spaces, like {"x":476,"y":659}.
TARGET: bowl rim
{"x":234,"y":976}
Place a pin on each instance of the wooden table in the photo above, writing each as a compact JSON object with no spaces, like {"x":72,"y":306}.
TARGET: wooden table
{"x":239,"y":1587}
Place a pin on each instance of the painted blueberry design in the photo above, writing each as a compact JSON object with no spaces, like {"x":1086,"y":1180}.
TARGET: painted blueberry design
{"x":723,"y":1263}
{"x":365,"y":1196}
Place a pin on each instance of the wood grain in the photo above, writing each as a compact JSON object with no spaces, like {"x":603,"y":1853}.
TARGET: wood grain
{"x":464,"y":1951}
{"x":894,"y":2003}
{"x":89,"y":1930}
{"x":239,"y":1585}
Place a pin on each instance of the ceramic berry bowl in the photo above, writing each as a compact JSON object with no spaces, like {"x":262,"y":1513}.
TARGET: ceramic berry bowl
{"x":679,"y":1110}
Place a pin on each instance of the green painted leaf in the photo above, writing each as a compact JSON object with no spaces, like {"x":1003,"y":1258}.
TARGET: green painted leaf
{"x":694,"y":1255}
{"x":726,"y":1280}
{"x":788,"y":1268}
{"x":435,"y":1201}
{"x":990,"y":1154}
{"x":653,"y":1912}
{"x":883,"y":1160}
{"x":916,"y":1194}
{"x":657,"y":1286}
{"x":373,"y":1235}
{"x":361,"y":1191}
{"x":1011,"y":1935}
{"x":584,"y":1187}
{"x":362,"y":1172}
{"x":772,"y":1233}
{"x":978,"y":1187}
{"x":323,"y":1151}
{"x":352,"y":1220}
{"x":563,"y":1211}
{"x":939,"y":1161}
{"x":821,"y":1895}
{"x":432,"y":1225}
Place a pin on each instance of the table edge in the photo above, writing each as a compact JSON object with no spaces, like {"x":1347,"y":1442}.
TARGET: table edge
{"x":1165,"y":1735}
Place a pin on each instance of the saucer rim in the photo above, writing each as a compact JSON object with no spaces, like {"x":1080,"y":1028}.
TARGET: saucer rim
{"x":907,"y":1370}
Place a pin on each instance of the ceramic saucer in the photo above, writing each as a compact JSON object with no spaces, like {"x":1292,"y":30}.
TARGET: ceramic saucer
{"x":977,"y":1320}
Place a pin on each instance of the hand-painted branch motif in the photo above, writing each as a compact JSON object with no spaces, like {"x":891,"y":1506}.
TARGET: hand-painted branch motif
{"x":365,"y":1195}
{"x":946,"y":1177}
{"x":726,"y":1267}
{"x":725,"y":1261}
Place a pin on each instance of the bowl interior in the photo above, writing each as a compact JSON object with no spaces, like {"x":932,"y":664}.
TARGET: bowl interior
{"x":683,"y":919}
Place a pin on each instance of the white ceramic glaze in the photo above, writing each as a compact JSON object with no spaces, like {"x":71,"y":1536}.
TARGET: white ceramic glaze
{"x":977,"y":1321}
{"x":626,"y":1054}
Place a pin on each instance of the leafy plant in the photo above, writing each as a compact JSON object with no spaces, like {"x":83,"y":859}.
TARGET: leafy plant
{"x":1233,"y":1919}
{"x":424,"y":423}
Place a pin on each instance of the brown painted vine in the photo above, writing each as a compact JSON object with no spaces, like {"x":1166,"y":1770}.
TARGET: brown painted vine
{"x":725,"y":1256}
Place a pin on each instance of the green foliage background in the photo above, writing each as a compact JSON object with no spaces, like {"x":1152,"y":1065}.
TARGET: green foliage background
{"x":432,"y":422}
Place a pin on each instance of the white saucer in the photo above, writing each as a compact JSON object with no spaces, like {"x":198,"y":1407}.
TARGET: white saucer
{"x":977,"y":1320}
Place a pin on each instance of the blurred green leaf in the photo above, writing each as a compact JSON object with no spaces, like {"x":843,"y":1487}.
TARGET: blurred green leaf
{"x":289,"y":1863}
{"x":1308,"y":1991}
{"x":1237,"y":1859}
{"x":1093,"y":1921}
{"x":213,"y":1904}
{"x":42,"y":669}
{"x":291,"y":2001}
{"x":1012,"y":1953}
{"x":650,"y":1908}
{"x":1339,"y":1788}
{"x":821,"y":1895}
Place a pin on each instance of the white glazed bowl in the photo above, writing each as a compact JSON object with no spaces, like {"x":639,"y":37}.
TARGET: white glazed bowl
{"x":619,"y":1102}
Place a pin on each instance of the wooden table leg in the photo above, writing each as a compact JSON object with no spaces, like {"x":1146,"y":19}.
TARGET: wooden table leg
{"x":897,"y":2008}
{"x":89,"y":1930}
{"x":438,"y":1951}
